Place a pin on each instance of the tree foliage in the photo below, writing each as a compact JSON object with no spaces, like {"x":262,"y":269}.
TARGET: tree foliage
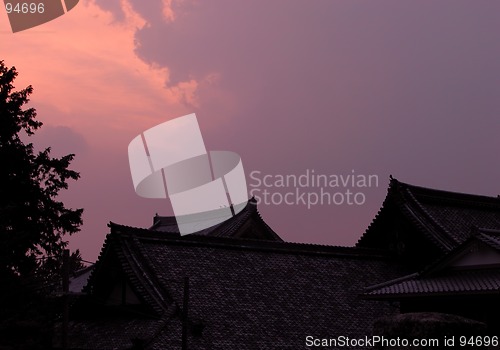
{"x":33,"y":223}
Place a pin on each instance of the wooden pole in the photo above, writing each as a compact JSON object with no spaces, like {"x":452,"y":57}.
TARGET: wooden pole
{"x":65,"y":285}
{"x":185,"y":304}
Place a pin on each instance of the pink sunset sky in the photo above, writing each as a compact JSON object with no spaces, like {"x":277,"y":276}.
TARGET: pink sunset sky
{"x":408,"y":88}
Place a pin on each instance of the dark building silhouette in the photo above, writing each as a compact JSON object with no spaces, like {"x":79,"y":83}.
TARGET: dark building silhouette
{"x":244,"y":288}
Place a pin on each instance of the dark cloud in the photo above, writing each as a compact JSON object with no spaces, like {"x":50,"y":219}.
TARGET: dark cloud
{"x":408,"y":88}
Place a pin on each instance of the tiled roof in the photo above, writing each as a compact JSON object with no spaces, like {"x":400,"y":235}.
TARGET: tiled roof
{"x":450,"y":282}
{"x":248,"y":294}
{"x":80,"y":279}
{"x":489,"y":237}
{"x":441,"y":278}
{"x":227,"y":228}
{"x":445,"y":218}
{"x":134,"y":263}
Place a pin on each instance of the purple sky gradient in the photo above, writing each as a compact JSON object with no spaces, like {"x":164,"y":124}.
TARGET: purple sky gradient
{"x":388,"y":87}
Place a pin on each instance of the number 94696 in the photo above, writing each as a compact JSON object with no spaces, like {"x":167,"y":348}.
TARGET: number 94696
{"x":25,"y":7}
{"x":479,"y":341}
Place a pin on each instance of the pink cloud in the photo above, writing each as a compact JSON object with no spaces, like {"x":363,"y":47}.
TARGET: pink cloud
{"x":87,"y":69}
{"x":168,"y":11}
{"x":94,"y":94}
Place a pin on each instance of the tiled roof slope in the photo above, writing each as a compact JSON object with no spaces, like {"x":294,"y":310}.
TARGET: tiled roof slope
{"x":440,"y":279}
{"x":453,"y":282}
{"x":489,"y":237}
{"x":248,"y":294}
{"x":80,"y":279}
{"x":445,"y":218}
{"x":233,"y":227}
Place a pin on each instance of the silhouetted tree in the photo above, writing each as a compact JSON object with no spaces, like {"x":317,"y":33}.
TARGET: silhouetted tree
{"x":33,"y":222}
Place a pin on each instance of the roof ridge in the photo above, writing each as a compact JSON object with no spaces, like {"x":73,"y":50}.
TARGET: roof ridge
{"x":98,"y":263}
{"x":275,"y":246}
{"x":230,"y":226}
{"x":270,"y":230}
{"x":226,"y":228}
{"x":490,"y":241}
{"x":457,"y":282}
{"x":246,"y":243}
{"x":442,"y":240}
{"x":451,"y":196}
{"x":378,"y":217}
{"x":142,"y":274}
{"x":111,"y":243}
{"x":125,"y":229}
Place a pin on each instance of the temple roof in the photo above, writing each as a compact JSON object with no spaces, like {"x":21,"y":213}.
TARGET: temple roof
{"x":250,"y":290}
{"x":451,"y":283}
{"x":471,"y":268}
{"x":237,"y":226}
{"x":444,"y":218}
{"x":244,"y":293}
